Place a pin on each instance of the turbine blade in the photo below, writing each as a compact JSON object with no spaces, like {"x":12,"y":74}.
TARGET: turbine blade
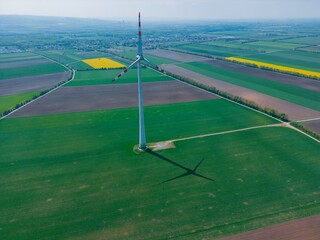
{"x":126,"y":70}
{"x":154,"y":66}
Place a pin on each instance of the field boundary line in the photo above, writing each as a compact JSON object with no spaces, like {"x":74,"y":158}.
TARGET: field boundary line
{"x":226,"y":132}
{"x":308,"y":120}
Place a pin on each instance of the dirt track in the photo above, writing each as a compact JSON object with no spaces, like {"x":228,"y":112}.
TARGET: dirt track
{"x":33,"y":83}
{"x":294,"y":111}
{"x":313,"y":85}
{"x":182,"y":57}
{"x":301,"y":229}
{"x":313,"y":125}
{"x":87,"y":98}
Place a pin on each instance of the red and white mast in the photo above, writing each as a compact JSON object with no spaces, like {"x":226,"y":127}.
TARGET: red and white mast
{"x":140,"y":57}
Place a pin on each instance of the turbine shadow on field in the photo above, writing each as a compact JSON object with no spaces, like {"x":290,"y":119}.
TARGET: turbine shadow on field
{"x":188,"y":171}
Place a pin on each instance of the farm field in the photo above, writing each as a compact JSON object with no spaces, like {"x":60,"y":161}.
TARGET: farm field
{"x":301,"y":82}
{"x":304,"y":40}
{"x":95,"y":187}
{"x":312,"y":49}
{"x":9,"y":102}
{"x":259,"y":46}
{"x":276,"y":45}
{"x":16,"y":55}
{"x":176,"y":56}
{"x":294,"y":111}
{"x":30,"y":71}
{"x":24,"y":76}
{"x":305,"y":228}
{"x":86,"y":98}
{"x":295,"y":59}
{"x":98,"y":77}
{"x":313,"y":125}
{"x":217,"y":51}
{"x":74,"y":58}
{"x":32,"y":83}
{"x":275,"y":67}
{"x":98,"y":63}
{"x":294,"y":94}
{"x":155,"y":59}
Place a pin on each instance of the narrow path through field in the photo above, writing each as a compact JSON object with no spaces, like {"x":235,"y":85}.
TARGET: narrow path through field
{"x":227,"y":132}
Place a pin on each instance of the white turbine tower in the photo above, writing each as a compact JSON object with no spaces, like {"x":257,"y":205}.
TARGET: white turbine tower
{"x":140,"y":57}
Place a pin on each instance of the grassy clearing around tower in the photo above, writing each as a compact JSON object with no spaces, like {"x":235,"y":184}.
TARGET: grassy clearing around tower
{"x":97,"y":77}
{"x":97,"y":186}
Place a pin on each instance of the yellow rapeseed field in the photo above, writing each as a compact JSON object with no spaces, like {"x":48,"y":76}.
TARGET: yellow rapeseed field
{"x":98,"y":63}
{"x":276,"y":67}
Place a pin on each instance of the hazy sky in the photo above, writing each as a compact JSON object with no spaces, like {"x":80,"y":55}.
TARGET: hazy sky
{"x":166,"y":9}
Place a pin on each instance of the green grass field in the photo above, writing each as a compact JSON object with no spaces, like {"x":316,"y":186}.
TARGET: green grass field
{"x":296,"y":59}
{"x":304,"y":40}
{"x":31,"y":71}
{"x":9,"y":102}
{"x":96,"y":77}
{"x":16,"y":55}
{"x":276,"y":45}
{"x":96,"y":187}
{"x":294,"y":94}
{"x":259,"y":46}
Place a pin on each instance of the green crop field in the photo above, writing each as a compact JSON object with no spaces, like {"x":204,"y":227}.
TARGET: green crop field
{"x":304,"y":40}
{"x":294,"y":94}
{"x":237,"y":45}
{"x":30,"y":71}
{"x":95,"y":77}
{"x":296,"y":59}
{"x":276,"y":45}
{"x":259,"y":46}
{"x":216,"y":50}
{"x":16,"y":55}
{"x":9,"y":102}
{"x":97,"y":187}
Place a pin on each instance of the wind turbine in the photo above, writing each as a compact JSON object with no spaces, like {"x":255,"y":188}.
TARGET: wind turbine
{"x":139,"y":58}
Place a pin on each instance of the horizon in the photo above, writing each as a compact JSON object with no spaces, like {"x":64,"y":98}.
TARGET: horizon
{"x":169,"y":20}
{"x":183,"y":10}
